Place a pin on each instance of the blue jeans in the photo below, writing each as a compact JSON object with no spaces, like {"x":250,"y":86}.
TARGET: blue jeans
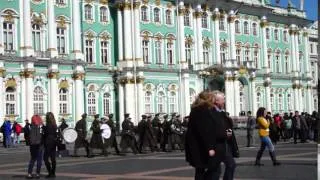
{"x":266,"y":142}
{"x":8,"y":140}
{"x":36,"y":155}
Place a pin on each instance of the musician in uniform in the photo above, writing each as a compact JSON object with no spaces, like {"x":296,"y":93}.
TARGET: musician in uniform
{"x":156,"y":125}
{"x":61,"y":143}
{"x":142,"y":132}
{"x":165,"y":133}
{"x":128,"y":138}
{"x":112,"y":141}
{"x":176,"y":132}
{"x":96,"y":139}
{"x":81,"y":128}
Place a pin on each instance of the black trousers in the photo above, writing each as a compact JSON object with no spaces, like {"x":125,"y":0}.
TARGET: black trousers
{"x":50,"y":152}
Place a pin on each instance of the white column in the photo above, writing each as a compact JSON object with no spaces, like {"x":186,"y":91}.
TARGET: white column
{"x":309,"y":101}
{"x":267,"y":98}
{"x":78,"y":77}
{"x":23,"y":97}
{"x":229,"y":94}
{"x":198,"y":61}
{"x":76,"y":52}
{"x":2,"y":90}
{"x":236,"y":97}
{"x":182,"y":54}
{"x":52,"y":33}
{"x":141,"y":99}
{"x":216,"y":35}
{"x":300,"y":99}
{"x":306,"y":53}
{"x":1,"y":39}
{"x":185,"y":95}
{"x":137,"y":36}
{"x":231,"y":19}
{"x":121,"y":104}
{"x":129,"y":100}
{"x":293,"y":50}
{"x":296,"y":99}
{"x":28,"y":51}
{"x":29,"y":93}
{"x":53,"y":75}
{"x":263,"y":26}
{"x":253,"y":94}
{"x":127,"y":32}
{"x":296,"y":36}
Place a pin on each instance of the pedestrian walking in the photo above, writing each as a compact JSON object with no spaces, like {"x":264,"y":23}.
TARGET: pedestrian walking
{"x":81,"y":141}
{"x":251,"y":124}
{"x":263,"y":132}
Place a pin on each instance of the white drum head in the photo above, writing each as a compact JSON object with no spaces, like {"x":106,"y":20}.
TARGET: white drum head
{"x":106,"y":131}
{"x":69,"y":135}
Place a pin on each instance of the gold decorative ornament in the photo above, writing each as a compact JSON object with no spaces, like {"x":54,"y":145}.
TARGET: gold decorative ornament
{"x":105,"y":36}
{"x":53,"y":75}
{"x":243,"y":70}
{"x":61,"y":22}
{"x":11,"y":82}
{"x":182,"y":11}
{"x":90,"y":35}
{"x":28,"y":73}
{"x":197,"y":14}
{"x":232,"y":18}
{"x":145,"y":2}
{"x":215,"y":16}
{"x":157,"y":2}
{"x":126,"y":6}
{"x":2,"y":72}
{"x":136,"y":5}
{"x":88,"y":1}
{"x":104,"y":2}
{"x":189,"y":40}
{"x":64,"y":84}
{"x":9,"y":17}
{"x":264,"y":23}
{"x":78,"y":76}
{"x":169,"y":5}
{"x":37,"y":20}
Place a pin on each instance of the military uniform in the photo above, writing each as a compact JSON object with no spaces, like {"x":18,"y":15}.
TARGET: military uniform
{"x":96,"y":139}
{"x":81,"y":128}
{"x":128,"y":138}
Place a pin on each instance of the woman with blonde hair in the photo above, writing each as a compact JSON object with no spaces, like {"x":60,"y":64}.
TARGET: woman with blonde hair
{"x":50,"y":144}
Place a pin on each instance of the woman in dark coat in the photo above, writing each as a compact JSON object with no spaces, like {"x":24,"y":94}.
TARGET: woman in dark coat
{"x":50,"y":144}
{"x":205,"y":138}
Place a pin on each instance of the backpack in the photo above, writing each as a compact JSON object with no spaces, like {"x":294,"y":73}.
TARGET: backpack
{"x":35,"y":135}
{"x":18,"y":128}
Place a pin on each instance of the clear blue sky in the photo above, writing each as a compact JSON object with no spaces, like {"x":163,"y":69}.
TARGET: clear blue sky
{"x":311,"y":7}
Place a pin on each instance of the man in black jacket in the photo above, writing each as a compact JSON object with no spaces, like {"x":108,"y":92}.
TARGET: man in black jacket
{"x":81,"y":128}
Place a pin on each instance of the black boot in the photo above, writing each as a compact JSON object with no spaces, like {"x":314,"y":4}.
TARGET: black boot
{"x":259,"y":155}
{"x":273,"y":158}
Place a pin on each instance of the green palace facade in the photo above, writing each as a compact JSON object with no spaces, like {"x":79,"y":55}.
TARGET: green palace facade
{"x":152,"y":56}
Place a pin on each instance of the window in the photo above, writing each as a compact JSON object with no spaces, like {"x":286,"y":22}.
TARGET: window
{"x":168,"y":17}
{"x":267,"y":33}
{"x":278,"y":61}
{"x":258,"y":99}
{"x":38,"y":104}
{"x":106,"y":103}
{"x":238,"y":54}
{"x":221,"y":24}
{"x":158,"y":52}
{"x":242,"y":98}
{"x":315,"y":103}
{"x":299,"y":39}
{"x":10,"y":101}
{"x":172,"y":102}
{"x":204,"y":20}
{"x":205,"y":54}
{"x":285,"y":36}
{"x":156,"y":15}
{"x":91,"y":103}
{"x":145,"y":51}
{"x":88,"y":12}
{"x":256,"y":57}
{"x":187,"y":19}
{"x":8,"y":36}
{"x":300,"y":68}
{"x":286,"y":64}
{"x":104,"y":45}
{"x":289,"y":102}
{"x":89,"y":51}
{"x":63,"y":101}
{"x":103,"y":14}
{"x":237,"y":26}
{"x":271,"y":101}
{"x":280,"y":99}
{"x":246,"y":27}
{"x":36,"y":37}
{"x":269,"y":58}
{"x":161,"y":101}
{"x":276,"y":35}
{"x":147,"y":102}
{"x":188,"y":53}
{"x":247,"y":54}
{"x":254,"y":29}
{"x":144,"y":13}
{"x":311,"y":48}
{"x":60,"y":2}
{"x":61,"y":40}
{"x":170,"y":52}
{"x":223,"y":53}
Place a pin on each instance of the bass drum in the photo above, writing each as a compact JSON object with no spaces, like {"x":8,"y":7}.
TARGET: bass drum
{"x":106,"y":131}
{"x":69,"y":135}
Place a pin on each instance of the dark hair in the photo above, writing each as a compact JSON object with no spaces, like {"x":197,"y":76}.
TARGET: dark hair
{"x":50,"y":119}
{"x":249,"y":113}
{"x":260,"y":112}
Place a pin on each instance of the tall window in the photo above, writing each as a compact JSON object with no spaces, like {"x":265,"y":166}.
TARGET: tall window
{"x":144,"y":13}
{"x":172,"y":102}
{"x":237,"y":26}
{"x":36,"y":37}
{"x":63,"y":101}
{"x":38,"y":104}
{"x":223,"y":53}
{"x":147,"y":102}
{"x":145,"y":51}
{"x":168,"y":17}
{"x":156,"y":15}
{"x":286,"y":63}
{"x":276,"y":35}
{"x":289,"y":102}
{"x":256,"y":57}
{"x":104,"y":45}
{"x":204,"y":20}
{"x":188,"y":53}
{"x":247,"y":54}
{"x":170,"y":52}
{"x":300,"y":68}
{"x":160,"y":103}
{"x":269,"y":58}
{"x":272,"y":101}
{"x":10,"y":101}
{"x":246,"y":27}
{"x":242,"y":98}
{"x":205,"y":54}
{"x":280,"y":102}
{"x":106,"y":103}
{"x":88,"y":12}
{"x":158,"y":52}
{"x":89,"y":51}
{"x":278,"y":62}
{"x":221,"y":23}
{"x":258,"y":99}
{"x":60,"y":1}
{"x":254,"y":29}
{"x":91,"y":103}
{"x":238,"y":54}
{"x":285,"y":36}
{"x":311,"y":48}
{"x":103,"y":14}
{"x":267,"y":33}
{"x":8,"y":36}
{"x":61,"y":41}
{"x":187,"y":19}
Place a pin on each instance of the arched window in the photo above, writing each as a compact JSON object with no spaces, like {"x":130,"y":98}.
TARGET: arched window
{"x":145,"y":51}
{"x":221,"y":23}
{"x":10,"y":101}
{"x":205,"y":53}
{"x":106,"y":103}
{"x":188,"y":53}
{"x":289,"y":106}
{"x":103,"y":14}
{"x":161,"y":102}
{"x":223,"y":53}
{"x":170,"y":53}
{"x":88,"y":12}
{"x":280,"y":102}
{"x":38,"y":103}
{"x":286,"y":62}
{"x":285,"y":36}
{"x":204,"y":20}
{"x":245,"y":27}
{"x":187,"y":18}
{"x":147,"y":102}
{"x":237,"y":26}
{"x":278,"y":61}
{"x":269,"y":56}
{"x":256,"y":56}
{"x":276,"y":34}
{"x":247,"y":54}
{"x":172,"y":102}
{"x":156,"y":15}
{"x":36,"y":37}
{"x":158,"y":52}
{"x":61,"y":40}
{"x":144,"y":13}
{"x":238,"y":54}
{"x":8,"y":36}
{"x":267,"y":33}
{"x":258,"y":99}
{"x":254,"y":29}
{"x":104,"y":52}
{"x":91,"y":103}
{"x":168,"y":17}
{"x":63,"y":101}
{"x":242,"y":98}
{"x":89,"y":50}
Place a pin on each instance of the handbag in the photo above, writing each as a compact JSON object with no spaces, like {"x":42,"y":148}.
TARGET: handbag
{"x":234,"y":146}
